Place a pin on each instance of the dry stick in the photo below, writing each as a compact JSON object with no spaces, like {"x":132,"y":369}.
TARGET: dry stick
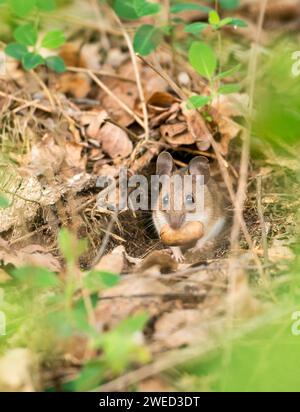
{"x":242,"y":186}
{"x":103,"y":73}
{"x":137,"y":77}
{"x":262,"y":220}
{"x":113,"y":96}
{"x":24,"y":101}
{"x":105,"y":239}
{"x":44,"y":87}
{"x":229,"y":187}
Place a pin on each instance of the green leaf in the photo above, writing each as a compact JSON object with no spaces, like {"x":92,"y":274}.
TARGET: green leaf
{"x":96,"y":281}
{"x":196,"y":102}
{"x":238,"y":23}
{"x":31,"y":61}
{"x":195,"y":28}
{"x":203,"y":59}
{"x":36,"y":277}
{"x":135,"y":323}
{"x":229,"y":72}
{"x":16,"y":50}
{"x":56,"y":64}
{"x":46,"y":5}
{"x":70,"y":247}
{"x":53,"y":39}
{"x":22,"y":7}
{"x":178,"y":8}
{"x":134,"y":9}
{"x":91,"y":375}
{"x":229,"y":4}
{"x":225,"y":22}
{"x":4,"y":202}
{"x":229,"y":88}
{"x":214,"y":18}
{"x":26,"y":34}
{"x":146,"y":39}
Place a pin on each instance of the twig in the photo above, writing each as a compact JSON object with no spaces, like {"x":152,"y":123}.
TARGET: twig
{"x":116,"y":98}
{"x":24,"y":101}
{"x":105,"y":239}
{"x":103,"y":73}
{"x":137,"y":77}
{"x":242,"y":185}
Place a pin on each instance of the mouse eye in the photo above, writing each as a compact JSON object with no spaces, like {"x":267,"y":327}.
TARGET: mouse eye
{"x":189,"y":199}
{"x":165,"y":200}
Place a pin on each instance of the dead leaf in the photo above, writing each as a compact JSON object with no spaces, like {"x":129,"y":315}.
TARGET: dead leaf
{"x":197,"y":127}
{"x":33,"y":255}
{"x":130,"y":296}
{"x":112,"y":262}
{"x":115,"y":141}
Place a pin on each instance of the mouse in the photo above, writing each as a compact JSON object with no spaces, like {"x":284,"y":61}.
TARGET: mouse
{"x":188,"y":228}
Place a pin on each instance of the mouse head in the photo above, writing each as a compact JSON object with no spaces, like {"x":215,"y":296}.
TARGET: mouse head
{"x":176,"y":207}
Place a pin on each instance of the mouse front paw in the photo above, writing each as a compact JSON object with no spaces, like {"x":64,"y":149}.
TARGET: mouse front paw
{"x":177,"y":254}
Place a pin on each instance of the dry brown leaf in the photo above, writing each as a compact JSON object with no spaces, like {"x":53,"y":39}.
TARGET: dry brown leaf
{"x":115,"y":141}
{"x":78,"y":85}
{"x":180,"y":327}
{"x":197,"y":127}
{"x":46,"y":156}
{"x":33,"y":255}
{"x":224,"y":109}
{"x":93,"y":121}
{"x":112,"y":262}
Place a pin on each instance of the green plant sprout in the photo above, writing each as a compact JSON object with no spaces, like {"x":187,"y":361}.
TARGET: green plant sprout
{"x":201,"y":56}
{"x":28,"y":46}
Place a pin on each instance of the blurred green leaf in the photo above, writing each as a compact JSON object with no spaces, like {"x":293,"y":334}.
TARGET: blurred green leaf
{"x":31,"y":61}
{"x":134,"y":9}
{"x":229,"y":88}
{"x":16,"y":50}
{"x":70,"y":247}
{"x":195,"y":28}
{"x":237,"y":23}
{"x":179,"y":7}
{"x":53,"y":39}
{"x":56,"y":64}
{"x":46,"y":5}
{"x":96,"y":281}
{"x":229,"y":72}
{"x":213,"y":18}
{"x":22,"y":7}
{"x":229,"y":4}
{"x":37,"y":277}
{"x":26,"y":35}
{"x":203,"y":59}
{"x":91,"y":375}
{"x":4,"y":202}
{"x":196,"y":102}
{"x":146,"y":39}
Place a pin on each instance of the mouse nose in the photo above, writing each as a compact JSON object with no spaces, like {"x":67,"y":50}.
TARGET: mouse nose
{"x":176,"y":220}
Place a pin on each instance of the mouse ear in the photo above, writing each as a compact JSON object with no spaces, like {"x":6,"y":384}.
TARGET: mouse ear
{"x":164,"y":164}
{"x":200,"y":166}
